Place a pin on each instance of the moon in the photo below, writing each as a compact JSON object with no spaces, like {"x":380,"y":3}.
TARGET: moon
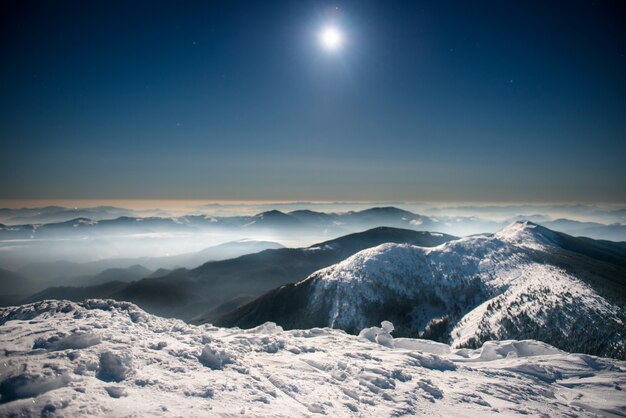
{"x":331,"y":38}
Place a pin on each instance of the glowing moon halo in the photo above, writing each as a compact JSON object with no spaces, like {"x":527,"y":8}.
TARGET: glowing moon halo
{"x":330,"y":38}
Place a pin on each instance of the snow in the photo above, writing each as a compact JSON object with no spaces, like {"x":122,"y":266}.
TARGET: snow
{"x":107,"y":358}
{"x":380,"y":335}
{"x":560,"y":293}
{"x":497,"y":350}
{"x":113,"y":367}
{"x":422,"y":345}
{"x":528,"y":234}
{"x":215,"y":359}
{"x":489,"y":280}
{"x":61,"y":341}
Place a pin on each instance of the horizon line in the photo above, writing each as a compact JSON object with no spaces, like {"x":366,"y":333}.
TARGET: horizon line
{"x":138,"y":204}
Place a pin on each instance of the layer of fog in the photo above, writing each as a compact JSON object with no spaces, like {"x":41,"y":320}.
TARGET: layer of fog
{"x":109,"y":241}
{"x":498,"y":212}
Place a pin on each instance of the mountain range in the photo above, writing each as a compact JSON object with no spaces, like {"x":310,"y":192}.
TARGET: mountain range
{"x":50,"y":214}
{"x":71,"y":273}
{"x":524,"y":281}
{"x":300,"y":220}
{"x":214,"y":288}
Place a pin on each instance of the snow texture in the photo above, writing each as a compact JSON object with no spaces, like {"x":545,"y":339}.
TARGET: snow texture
{"x":107,"y":358}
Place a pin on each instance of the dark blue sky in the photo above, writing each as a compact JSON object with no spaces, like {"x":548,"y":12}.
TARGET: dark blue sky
{"x":434,"y":100}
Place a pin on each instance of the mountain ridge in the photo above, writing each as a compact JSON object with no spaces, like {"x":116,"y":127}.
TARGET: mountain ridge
{"x":193,"y":294}
{"x":451,"y":291}
{"x":342,"y":222}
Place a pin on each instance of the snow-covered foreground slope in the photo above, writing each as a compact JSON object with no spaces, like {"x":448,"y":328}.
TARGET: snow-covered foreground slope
{"x":519,"y":283}
{"x":108,"y":358}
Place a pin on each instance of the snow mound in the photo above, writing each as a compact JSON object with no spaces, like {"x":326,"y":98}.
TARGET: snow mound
{"x":24,"y":386}
{"x":497,"y":350}
{"x":114,"y":367}
{"x":215,"y":359}
{"x":63,"y":341}
{"x":266,"y":328}
{"x":52,"y":366}
{"x":425,"y":346}
{"x":381,"y":335}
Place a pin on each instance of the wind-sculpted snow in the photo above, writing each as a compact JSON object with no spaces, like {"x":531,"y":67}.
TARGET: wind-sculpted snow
{"x":124,"y":362}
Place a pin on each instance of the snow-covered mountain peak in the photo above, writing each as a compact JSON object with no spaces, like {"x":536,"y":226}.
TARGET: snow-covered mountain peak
{"x":270,"y":214}
{"x":518,"y":283}
{"x":528,"y":234}
{"x":375,"y":262}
